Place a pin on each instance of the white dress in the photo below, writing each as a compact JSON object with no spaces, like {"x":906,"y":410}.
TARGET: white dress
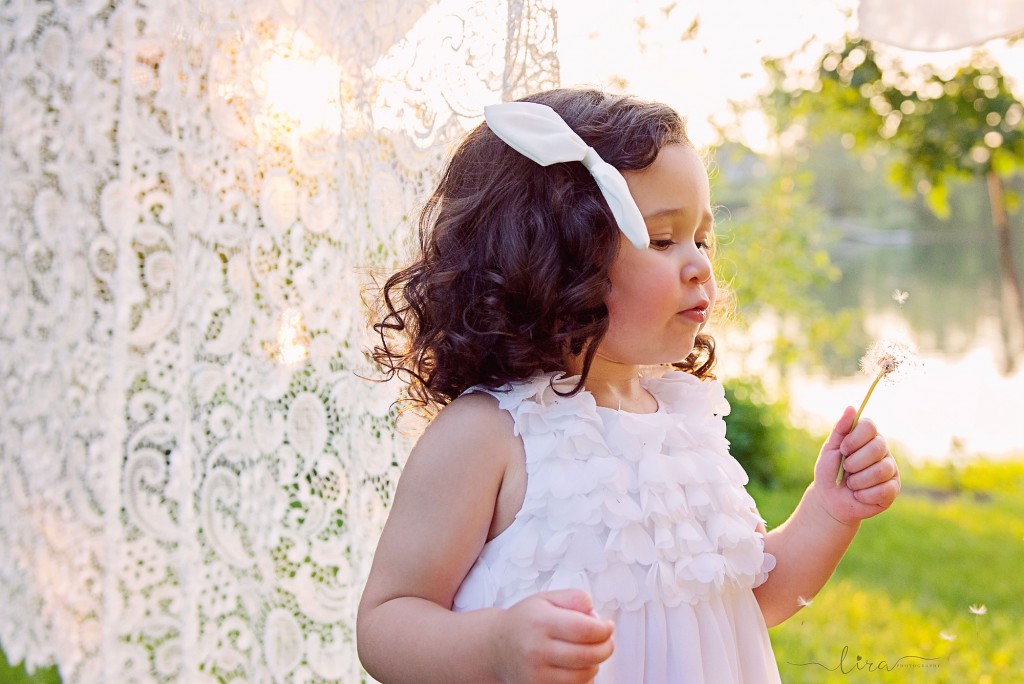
{"x":646,"y":512}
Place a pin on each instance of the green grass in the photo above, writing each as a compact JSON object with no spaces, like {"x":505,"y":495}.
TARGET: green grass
{"x":954,"y":539}
{"x":18,"y":675}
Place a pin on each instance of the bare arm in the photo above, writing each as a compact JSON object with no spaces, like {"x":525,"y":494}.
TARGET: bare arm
{"x":443,"y":507}
{"x":810,"y":544}
{"x":435,"y":530}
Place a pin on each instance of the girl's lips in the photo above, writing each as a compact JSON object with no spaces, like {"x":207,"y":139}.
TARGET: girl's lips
{"x":697,"y":314}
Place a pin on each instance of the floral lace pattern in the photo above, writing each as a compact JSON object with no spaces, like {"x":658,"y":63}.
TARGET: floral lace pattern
{"x":634,"y":508}
{"x":193,"y":475}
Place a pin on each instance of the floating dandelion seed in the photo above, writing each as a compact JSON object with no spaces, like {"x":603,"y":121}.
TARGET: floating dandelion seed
{"x":946,"y":636}
{"x":978,"y":611}
{"x":900,"y":296}
{"x":802,"y":602}
{"x":883,"y":360}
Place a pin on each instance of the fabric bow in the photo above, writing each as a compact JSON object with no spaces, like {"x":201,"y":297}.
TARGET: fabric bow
{"x":537,"y":131}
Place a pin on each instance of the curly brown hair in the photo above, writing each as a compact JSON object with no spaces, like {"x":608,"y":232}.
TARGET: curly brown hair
{"x":512,"y":271}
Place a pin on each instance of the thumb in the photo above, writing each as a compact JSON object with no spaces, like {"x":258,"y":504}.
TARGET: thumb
{"x":840,"y":430}
{"x":572,"y":599}
{"x":827,"y":465}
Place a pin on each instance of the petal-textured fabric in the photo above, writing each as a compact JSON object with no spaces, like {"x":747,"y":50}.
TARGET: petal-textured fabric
{"x":646,"y":512}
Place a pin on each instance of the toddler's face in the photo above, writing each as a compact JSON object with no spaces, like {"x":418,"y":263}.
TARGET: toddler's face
{"x":661,"y":296}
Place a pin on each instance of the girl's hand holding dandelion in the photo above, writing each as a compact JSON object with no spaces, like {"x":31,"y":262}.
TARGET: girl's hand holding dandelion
{"x":882,"y":361}
{"x":809,"y":545}
{"x":871,"y":477}
{"x":856,"y":476}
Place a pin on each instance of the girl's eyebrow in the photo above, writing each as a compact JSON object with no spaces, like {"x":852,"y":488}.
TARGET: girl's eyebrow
{"x":708,"y":216}
{"x":664,"y":213}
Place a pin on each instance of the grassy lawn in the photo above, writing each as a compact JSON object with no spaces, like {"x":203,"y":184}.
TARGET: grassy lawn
{"x":18,"y":675}
{"x":899,"y":607}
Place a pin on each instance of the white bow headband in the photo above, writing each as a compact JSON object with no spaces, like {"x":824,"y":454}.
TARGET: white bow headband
{"x":536,"y":131}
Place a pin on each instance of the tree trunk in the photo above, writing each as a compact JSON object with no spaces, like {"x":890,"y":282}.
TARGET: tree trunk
{"x":1013,"y":299}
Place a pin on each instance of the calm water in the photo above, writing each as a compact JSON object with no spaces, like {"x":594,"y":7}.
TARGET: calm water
{"x":967,"y":396}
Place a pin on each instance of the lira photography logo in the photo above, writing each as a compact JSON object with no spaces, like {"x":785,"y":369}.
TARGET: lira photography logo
{"x":848,"y":664}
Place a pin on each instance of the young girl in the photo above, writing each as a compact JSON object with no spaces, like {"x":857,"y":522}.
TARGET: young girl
{"x":573,"y":511}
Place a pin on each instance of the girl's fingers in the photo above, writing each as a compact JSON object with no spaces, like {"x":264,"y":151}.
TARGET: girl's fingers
{"x":881,"y":495}
{"x":560,"y":676}
{"x":869,"y":453}
{"x":577,"y":628}
{"x":571,"y":656}
{"x":841,"y":430}
{"x":573,"y":621}
{"x":573,"y":599}
{"x":861,"y":434}
{"x":876,"y":473}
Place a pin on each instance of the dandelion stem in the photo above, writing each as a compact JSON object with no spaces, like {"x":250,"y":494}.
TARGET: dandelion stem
{"x":867,"y":396}
{"x":842,"y":459}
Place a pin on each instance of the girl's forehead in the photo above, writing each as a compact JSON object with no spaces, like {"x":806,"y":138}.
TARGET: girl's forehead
{"x":677,"y":181}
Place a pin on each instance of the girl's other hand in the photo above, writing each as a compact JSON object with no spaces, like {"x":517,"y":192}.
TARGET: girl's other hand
{"x":552,"y":637}
{"x":872,"y":479}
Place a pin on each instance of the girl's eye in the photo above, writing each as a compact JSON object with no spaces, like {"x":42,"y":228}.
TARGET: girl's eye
{"x":707,"y":246}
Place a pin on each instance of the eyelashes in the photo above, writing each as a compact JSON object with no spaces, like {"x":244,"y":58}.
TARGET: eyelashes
{"x":705,"y":246}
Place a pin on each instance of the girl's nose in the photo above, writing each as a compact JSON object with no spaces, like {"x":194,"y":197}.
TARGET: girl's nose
{"x":697,"y":267}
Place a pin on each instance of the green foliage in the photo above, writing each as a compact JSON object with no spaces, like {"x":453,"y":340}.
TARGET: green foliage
{"x":773,"y":257}
{"x":761,"y":438}
{"x":907,"y":584}
{"x":19,"y":675}
{"x":935,"y":128}
{"x":940,"y":126}
{"x":754,"y":430}
{"x":981,"y":478}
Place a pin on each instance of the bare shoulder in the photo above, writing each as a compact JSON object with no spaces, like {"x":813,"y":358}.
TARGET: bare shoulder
{"x":471,"y":431}
{"x":474,"y":407}
{"x":465,"y":449}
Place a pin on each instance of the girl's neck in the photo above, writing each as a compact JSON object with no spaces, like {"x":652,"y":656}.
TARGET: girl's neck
{"x":617,"y":386}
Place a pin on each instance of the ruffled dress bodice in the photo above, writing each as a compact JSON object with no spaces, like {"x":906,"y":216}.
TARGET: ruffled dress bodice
{"x":649,"y":515}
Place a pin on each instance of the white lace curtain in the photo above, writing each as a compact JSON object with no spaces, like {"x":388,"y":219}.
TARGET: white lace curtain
{"x":192,"y":476}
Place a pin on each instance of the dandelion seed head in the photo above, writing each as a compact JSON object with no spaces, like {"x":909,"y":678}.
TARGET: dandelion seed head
{"x":946,"y":636}
{"x":979,"y":609}
{"x":887,"y":357}
{"x":900,"y":296}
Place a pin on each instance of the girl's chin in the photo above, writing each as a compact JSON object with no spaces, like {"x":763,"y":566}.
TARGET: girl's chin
{"x":661,"y":359}
{"x":651,"y":357}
